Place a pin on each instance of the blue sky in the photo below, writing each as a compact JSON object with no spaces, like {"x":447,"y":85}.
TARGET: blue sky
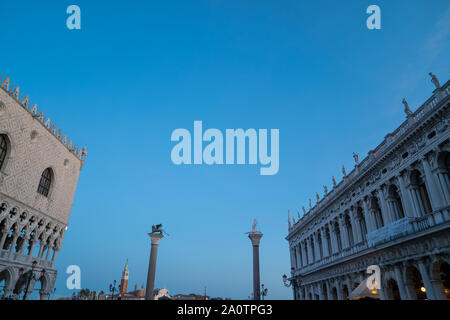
{"x":138,"y":70}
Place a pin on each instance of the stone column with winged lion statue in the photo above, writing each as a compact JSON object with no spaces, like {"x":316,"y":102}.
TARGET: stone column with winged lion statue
{"x":156,"y":235}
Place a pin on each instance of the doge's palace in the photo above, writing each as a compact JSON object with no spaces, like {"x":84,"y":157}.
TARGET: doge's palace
{"x":39,"y":169}
{"x":392,"y":211}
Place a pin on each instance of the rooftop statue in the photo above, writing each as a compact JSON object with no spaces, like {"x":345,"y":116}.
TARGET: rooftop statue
{"x":407,"y":108}
{"x":356,"y":157}
{"x":435,"y":80}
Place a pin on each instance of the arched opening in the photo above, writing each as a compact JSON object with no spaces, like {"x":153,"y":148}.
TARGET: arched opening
{"x":349,"y":230}
{"x":313,"y":251}
{"x":334,"y":293}
{"x":414,"y":283}
{"x":393,"y":290}
{"x":305,"y":246}
{"x":345,"y":292}
{"x":444,"y":273}
{"x":9,"y":238}
{"x":395,"y":203}
{"x":324,"y":291}
{"x":441,"y":279}
{"x":443,"y":174}
{"x":320,"y":244}
{"x":45,"y":183}
{"x":376,"y":209}
{"x":420,"y":192}
{"x":338,"y":236}
{"x":5,"y":149}
{"x":328,"y":237}
{"x":5,"y":280}
{"x":310,"y":296}
{"x":362,"y":222}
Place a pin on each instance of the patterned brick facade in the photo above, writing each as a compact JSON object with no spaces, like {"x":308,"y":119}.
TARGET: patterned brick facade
{"x":32,"y":224}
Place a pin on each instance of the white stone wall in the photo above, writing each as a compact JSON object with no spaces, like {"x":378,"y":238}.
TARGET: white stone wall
{"x":29,"y":157}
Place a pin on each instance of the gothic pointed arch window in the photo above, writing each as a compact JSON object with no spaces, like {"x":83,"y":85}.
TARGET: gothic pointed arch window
{"x":3,"y":150}
{"x":46,"y":182}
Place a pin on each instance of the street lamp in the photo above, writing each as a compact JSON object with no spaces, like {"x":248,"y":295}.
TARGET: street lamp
{"x":264,"y":291}
{"x":112,"y":289}
{"x":30,"y":276}
{"x":293,"y":282}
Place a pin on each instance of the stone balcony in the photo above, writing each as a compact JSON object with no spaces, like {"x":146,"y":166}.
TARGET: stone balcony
{"x":36,"y":227}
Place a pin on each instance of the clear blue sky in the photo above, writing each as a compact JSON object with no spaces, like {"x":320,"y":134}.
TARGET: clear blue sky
{"x":139,"y":69}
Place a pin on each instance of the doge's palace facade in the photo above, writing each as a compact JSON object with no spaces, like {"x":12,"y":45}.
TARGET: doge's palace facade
{"x":392,"y":210}
{"x":39,"y":170}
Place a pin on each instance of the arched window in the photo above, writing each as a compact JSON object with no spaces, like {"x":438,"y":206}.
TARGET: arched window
{"x":319,"y":241}
{"x":313,"y":250}
{"x":338,"y":237}
{"x":395,"y":203}
{"x":349,"y":229}
{"x":3,"y":150}
{"x":362,"y":222}
{"x":375,"y":207}
{"x":327,"y":235}
{"x":420,"y":191}
{"x":45,"y":182}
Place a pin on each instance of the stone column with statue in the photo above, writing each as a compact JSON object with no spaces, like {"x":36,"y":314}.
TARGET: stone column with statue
{"x":255,"y":237}
{"x":156,"y":235}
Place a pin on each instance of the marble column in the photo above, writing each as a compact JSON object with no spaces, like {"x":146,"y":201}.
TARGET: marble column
{"x":426,"y":280}
{"x":416,"y":200}
{"x":430,"y":182}
{"x":309,"y":250}
{"x":13,"y":244}
{"x":444,"y":183}
{"x":368,"y":215}
{"x":255,"y":238}
{"x":293,"y":261}
{"x":385,"y":212}
{"x":30,"y":253}
{"x":357,"y":232}
{"x":343,"y":232}
{"x":304,"y":254}
{"x":3,"y":239}
{"x":326,"y":250}
{"x":299,"y":255}
{"x":155,"y":238}
{"x":405,"y":195}
{"x":400,"y":283}
{"x":340,"y":294}
{"x":316,"y":247}
{"x":334,"y":241}
{"x":329,"y":294}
